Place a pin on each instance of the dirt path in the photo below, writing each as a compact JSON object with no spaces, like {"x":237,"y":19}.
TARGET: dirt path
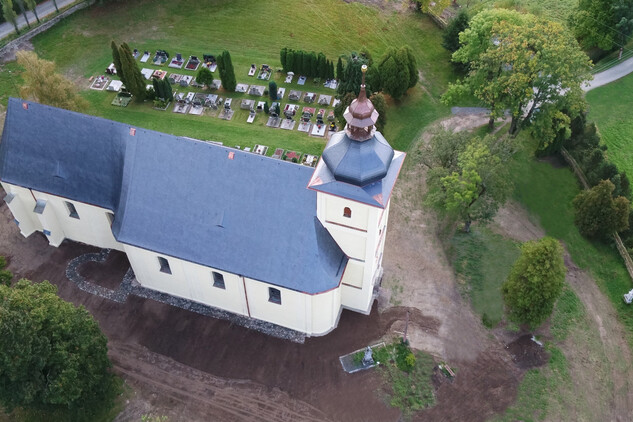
{"x":598,"y":353}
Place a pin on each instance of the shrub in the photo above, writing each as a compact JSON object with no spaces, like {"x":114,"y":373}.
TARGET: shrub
{"x":3,"y":262}
{"x":5,"y":277}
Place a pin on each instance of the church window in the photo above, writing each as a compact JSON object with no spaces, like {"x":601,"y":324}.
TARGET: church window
{"x":347,"y":212}
{"x":218,"y":280}
{"x":72,"y":211}
{"x":164,"y":265}
{"x":274,"y":295}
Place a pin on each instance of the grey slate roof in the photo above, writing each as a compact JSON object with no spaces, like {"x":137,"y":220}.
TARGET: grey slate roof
{"x":358,"y":162}
{"x":64,"y":153}
{"x":376,"y":194}
{"x":250,"y":215}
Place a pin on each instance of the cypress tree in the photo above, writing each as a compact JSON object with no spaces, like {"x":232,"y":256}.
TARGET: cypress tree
{"x":158,"y":88}
{"x":298,"y":61}
{"x":411,"y":65}
{"x":314,"y":64}
{"x":339,"y":69}
{"x":306,"y":64}
{"x":282,"y":57}
{"x":290,"y":61}
{"x":322,"y":66}
{"x":135,"y":82}
{"x":272,"y":90}
{"x":227,"y":73}
{"x":116,"y":59}
{"x":169,"y":94}
{"x":331,"y":73}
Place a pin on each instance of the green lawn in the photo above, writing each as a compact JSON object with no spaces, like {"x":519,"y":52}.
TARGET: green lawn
{"x":482,"y":259}
{"x":557,"y":10}
{"x":610,"y":108}
{"x":253,"y":32}
{"x":547,"y":193}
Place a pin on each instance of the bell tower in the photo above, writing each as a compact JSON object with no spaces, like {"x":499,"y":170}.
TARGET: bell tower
{"x":354,"y":180}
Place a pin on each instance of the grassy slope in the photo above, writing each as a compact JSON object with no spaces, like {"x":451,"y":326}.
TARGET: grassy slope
{"x":614,"y":120}
{"x":80,"y":45}
{"x":557,"y":10}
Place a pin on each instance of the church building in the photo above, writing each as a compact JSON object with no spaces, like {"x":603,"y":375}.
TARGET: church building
{"x":252,"y":235}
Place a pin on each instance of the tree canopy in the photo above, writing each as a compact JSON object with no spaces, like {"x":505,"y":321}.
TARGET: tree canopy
{"x":606,"y":24}
{"x":227,"y":73}
{"x":535,"y":282}
{"x":398,"y":71}
{"x":532,"y":67}
{"x":52,"y":354}
{"x":204,"y":76}
{"x":598,"y":214}
{"x":450,"y":37}
{"x":43,"y":84}
{"x":9,"y":14}
{"x":468,"y":177}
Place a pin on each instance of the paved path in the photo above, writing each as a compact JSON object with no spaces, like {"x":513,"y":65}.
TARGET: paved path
{"x":610,"y":75}
{"x":43,"y":10}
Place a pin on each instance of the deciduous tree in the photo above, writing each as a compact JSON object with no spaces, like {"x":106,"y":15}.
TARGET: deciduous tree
{"x":606,"y":24}
{"x":535,"y":282}
{"x":598,"y":214}
{"x":52,"y":354}
{"x":204,"y":76}
{"x":43,"y":84}
{"x":468,"y":178}
{"x":32,"y":5}
{"x":532,"y":67}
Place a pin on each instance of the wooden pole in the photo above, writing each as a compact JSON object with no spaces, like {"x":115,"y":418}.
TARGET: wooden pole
{"x":406,"y":327}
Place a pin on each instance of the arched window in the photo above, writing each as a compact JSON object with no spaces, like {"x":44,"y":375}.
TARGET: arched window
{"x":347,"y":212}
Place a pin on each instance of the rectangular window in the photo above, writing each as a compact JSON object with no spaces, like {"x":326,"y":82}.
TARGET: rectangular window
{"x":218,"y":280}
{"x":72,"y":211}
{"x":110,"y":218}
{"x":164,"y":265}
{"x":274,"y":295}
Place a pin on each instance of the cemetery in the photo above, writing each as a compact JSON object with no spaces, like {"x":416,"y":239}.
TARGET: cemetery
{"x":199,"y":102}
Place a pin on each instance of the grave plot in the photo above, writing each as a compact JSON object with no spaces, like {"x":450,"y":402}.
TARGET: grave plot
{"x":280,"y":93}
{"x":293,"y":156}
{"x":159,"y":74}
{"x":264,"y":73}
{"x":279,"y":152}
{"x":309,"y":160}
{"x":257,"y":90}
{"x":145,"y":57}
{"x":309,"y":97}
{"x":136,"y":53}
{"x":115,"y":86}
{"x":241,"y":88}
{"x":181,"y":106}
{"x":175,"y":78}
{"x":100,"y":83}
{"x":111,"y":70}
{"x":192,"y":63}
{"x":331,"y":83}
{"x":216,"y":84}
{"x":319,"y":129}
{"x":287,"y":124}
{"x":294,"y":95}
{"x":252,"y":70}
{"x":208,"y":60}
{"x":160,"y":58}
{"x":251,"y":117}
{"x":335,"y":102}
{"x":325,"y":100}
{"x":227,"y":113}
{"x":122,"y":99}
{"x":260,"y":149}
{"x":302,"y":80}
{"x":289,"y":77}
{"x":185,"y":80}
{"x":197,"y":104}
{"x":247,"y":104}
{"x":147,"y":73}
{"x":260,"y":106}
{"x":177,"y":61}
{"x":212,"y":101}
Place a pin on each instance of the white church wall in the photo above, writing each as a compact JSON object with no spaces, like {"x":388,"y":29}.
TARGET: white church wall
{"x":21,"y":207}
{"x":92,"y":225}
{"x":334,"y":211}
{"x":187,"y":280}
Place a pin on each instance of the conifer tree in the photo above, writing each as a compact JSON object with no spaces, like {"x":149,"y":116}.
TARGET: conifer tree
{"x":282,"y":57}
{"x":116,"y":59}
{"x":290,"y":61}
{"x":134,"y":80}
{"x":339,"y":69}
{"x":227,"y":73}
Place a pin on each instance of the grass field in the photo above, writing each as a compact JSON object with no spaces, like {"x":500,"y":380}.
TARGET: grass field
{"x":547,"y":193}
{"x":482,"y":259}
{"x":557,"y":10}
{"x":253,"y":32}
{"x":611,"y":110}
